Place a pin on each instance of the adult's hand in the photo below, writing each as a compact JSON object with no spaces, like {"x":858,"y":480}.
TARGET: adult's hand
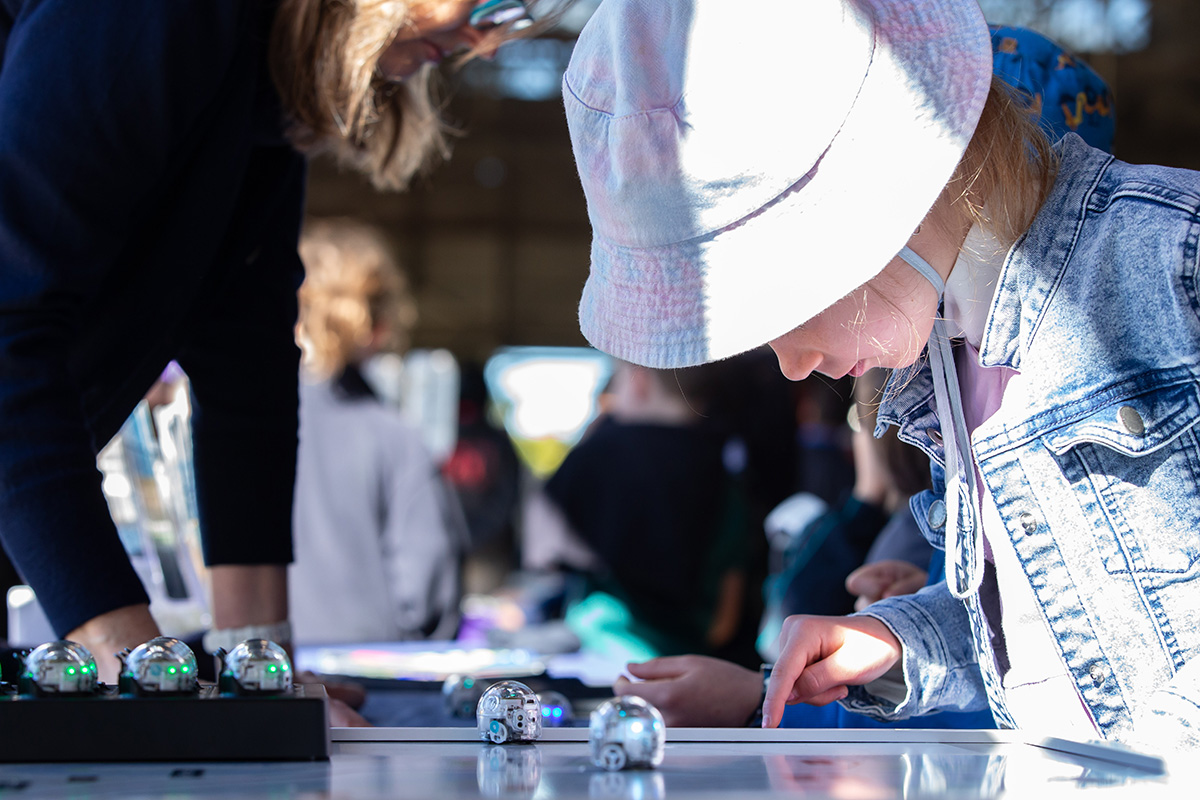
{"x":821,"y":656}
{"x":880,"y":579}
{"x":343,"y":716}
{"x":695,"y":691}
{"x":344,"y":698}
{"x":109,"y":633}
{"x":351,"y":693}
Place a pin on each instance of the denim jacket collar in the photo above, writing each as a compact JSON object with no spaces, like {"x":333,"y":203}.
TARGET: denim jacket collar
{"x":1024,"y":287}
{"x":1020,"y":297}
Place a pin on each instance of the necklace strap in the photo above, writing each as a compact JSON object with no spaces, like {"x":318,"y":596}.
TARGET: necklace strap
{"x":964,"y":533}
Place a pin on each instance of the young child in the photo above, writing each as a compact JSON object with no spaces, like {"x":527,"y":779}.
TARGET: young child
{"x":377,"y":536}
{"x":658,"y":523}
{"x":871,"y":192}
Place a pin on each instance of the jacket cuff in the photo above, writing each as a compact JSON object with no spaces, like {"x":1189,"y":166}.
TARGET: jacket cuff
{"x":939,"y":663}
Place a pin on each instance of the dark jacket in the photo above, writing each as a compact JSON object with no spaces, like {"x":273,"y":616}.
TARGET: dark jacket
{"x":149,"y":210}
{"x":656,"y":504}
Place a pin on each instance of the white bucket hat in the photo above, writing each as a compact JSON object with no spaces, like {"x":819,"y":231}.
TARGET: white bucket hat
{"x":747,"y":164}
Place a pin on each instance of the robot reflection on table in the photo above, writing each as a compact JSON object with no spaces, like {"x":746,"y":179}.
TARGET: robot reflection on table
{"x":510,"y":772}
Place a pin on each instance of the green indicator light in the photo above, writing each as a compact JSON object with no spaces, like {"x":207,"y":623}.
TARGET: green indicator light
{"x":70,"y":670}
{"x":170,"y":670}
{"x":272,"y":668}
{"x":185,"y":670}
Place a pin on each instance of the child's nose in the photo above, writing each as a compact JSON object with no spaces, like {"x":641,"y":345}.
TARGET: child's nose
{"x":796,"y":363}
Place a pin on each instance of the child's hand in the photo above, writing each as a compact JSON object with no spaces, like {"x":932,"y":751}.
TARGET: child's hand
{"x":881,"y":579}
{"x":820,"y":656}
{"x":695,"y":691}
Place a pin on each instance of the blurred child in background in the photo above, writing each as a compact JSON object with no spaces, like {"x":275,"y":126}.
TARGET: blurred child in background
{"x":646,"y":508}
{"x":377,"y":535}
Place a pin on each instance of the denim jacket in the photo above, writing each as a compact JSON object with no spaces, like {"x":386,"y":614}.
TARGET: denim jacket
{"x":1092,"y":459}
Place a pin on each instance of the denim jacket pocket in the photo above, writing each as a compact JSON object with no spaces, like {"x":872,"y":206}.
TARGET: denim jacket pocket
{"x":1134,"y":463}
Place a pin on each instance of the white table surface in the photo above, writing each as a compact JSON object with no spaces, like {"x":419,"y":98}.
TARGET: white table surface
{"x":452,"y":763}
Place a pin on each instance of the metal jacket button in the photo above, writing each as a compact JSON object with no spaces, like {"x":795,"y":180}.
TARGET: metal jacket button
{"x":1097,"y":674}
{"x":1132,"y":420}
{"x":1028,"y":522}
{"x":936,"y":515}
{"x":935,"y":436}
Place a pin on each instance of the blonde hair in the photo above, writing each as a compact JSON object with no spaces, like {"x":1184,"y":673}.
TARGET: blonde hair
{"x":353,"y":288}
{"x":324,"y":56}
{"x":1008,"y":165}
{"x":1000,"y":184}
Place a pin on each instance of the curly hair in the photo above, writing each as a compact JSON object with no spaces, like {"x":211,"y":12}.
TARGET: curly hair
{"x":324,"y":56}
{"x":353,"y":288}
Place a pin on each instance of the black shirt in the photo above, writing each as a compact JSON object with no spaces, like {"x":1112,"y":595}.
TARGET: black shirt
{"x":149,"y":210}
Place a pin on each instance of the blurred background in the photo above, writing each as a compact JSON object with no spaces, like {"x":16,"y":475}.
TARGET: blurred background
{"x":500,"y":384}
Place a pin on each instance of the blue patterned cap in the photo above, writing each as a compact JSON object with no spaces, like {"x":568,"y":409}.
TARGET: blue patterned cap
{"x":1067,"y":94}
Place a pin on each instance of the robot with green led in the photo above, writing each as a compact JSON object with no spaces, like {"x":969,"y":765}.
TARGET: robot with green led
{"x":58,"y":669}
{"x":162,"y":666}
{"x":57,"y":687}
{"x":256,"y":666}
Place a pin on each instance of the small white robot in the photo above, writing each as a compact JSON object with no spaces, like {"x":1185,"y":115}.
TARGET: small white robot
{"x":161,"y":666}
{"x":256,"y":666}
{"x":509,"y":711}
{"x":460,"y":695}
{"x":59,"y":668}
{"x":557,"y":711}
{"x":626,"y":733}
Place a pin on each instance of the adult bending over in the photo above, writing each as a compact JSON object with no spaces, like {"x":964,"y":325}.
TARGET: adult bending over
{"x":150,"y":200}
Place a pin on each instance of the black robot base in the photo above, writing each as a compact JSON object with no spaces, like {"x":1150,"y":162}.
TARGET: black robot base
{"x":200,"y":726}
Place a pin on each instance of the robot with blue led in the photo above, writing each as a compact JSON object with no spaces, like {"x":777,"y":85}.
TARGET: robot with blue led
{"x":624,"y":732}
